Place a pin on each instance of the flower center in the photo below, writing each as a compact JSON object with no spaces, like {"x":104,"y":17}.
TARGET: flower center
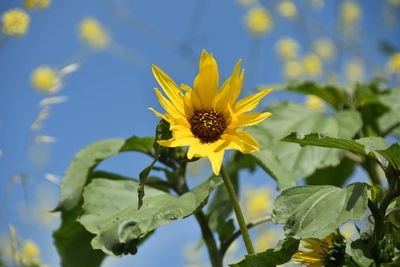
{"x":207,"y":125}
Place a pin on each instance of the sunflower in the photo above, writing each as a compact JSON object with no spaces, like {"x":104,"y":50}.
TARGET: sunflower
{"x":325,"y":252}
{"x":206,"y":118}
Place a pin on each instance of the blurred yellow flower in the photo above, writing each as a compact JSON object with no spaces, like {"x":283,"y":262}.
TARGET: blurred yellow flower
{"x":15,"y":22}
{"x":287,"y":48}
{"x":350,"y":12}
{"x":325,"y":48}
{"x":393,"y":65}
{"x":258,"y":20}
{"x":293,"y":69}
{"x":315,"y":103}
{"x":46,"y":80}
{"x":40,"y":4}
{"x":395,"y":2}
{"x":287,"y":9}
{"x":354,"y":71}
{"x":206,"y":118}
{"x":247,"y":2}
{"x":93,"y":33}
{"x":257,"y":202}
{"x":312,"y":65}
{"x":265,"y":241}
{"x":348,"y":230}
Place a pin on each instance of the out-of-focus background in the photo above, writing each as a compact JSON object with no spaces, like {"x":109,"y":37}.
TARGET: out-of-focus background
{"x":75,"y":72}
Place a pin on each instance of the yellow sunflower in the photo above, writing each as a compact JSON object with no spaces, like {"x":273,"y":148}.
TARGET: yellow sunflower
{"x":321,"y":252}
{"x":206,"y":118}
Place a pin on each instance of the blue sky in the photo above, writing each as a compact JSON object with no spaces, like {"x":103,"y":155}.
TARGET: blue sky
{"x":109,"y":94}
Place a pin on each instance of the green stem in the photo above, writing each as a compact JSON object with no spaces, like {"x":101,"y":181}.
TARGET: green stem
{"x":239,"y":215}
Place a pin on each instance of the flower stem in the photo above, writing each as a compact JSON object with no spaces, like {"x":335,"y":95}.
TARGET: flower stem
{"x":238,"y":211}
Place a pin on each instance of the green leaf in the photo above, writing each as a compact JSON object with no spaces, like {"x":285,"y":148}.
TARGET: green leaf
{"x":363,"y":146}
{"x":358,"y":251}
{"x":390,"y":121}
{"x":73,"y":242}
{"x":287,"y":163}
{"x":88,"y":158}
{"x":162,"y":132}
{"x":335,"y":176}
{"x":110,"y":211}
{"x":272,"y":257}
{"x":329,"y":93}
{"x":308,"y":211}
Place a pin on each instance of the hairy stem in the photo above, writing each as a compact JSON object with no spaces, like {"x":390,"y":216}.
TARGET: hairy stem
{"x":238,"y":211}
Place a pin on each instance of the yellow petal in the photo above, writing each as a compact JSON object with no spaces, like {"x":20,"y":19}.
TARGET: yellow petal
{"x":247,"y":119}
{"x":170,"y":88}
{"x":241,"y":140}
{"x":250,"y":102}
{"x":158,"y":114}
{"x":180,"y":131}
{"x":206,"y":83}
{"x":168,"y":106}
{"x":230,"y":90}
{"x":216,"y":159}
{"x":186,"y":87}
{"x":176,"y":142}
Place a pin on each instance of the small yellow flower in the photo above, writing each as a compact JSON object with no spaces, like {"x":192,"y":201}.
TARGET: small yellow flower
{"x":394,"y":2}
{"x":287,"y":48}
{"x":287,"y":9}
{"x":40,"y":4}
{"x":312,"y":65}
{"x":205,"y":118}
{"x":15,"y":22}
{"x":30,"y":252}
{"x":325,"y":48}
{"x":93,"y":33}
{"x":350,"y":12}
{"x":393,"y":65}
{"x":354,"y":71}
{"x":257,"y":203}
{"x":46,"y":79}
{"x":318,"y":254}
{"x":315,"y":103}
{"x":258,"y":20}
{"x":348,"y":231}
{"x":265,"y":241}
{"x":293,"y":69}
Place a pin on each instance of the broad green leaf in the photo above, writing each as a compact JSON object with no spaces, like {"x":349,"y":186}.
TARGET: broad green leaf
{"x":363,"y":146}
{"x":336,"y":175}
{"x":392,"y":118}
{"x":272,"y":257}
{"x":314,"y":211}
{"x":287,"y":163}
{"x":331,"y":94}
{"x":358,"y":251}
{"x":73,"y":242}
{"x":110,"y":211}
{"x":88,"y":158}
